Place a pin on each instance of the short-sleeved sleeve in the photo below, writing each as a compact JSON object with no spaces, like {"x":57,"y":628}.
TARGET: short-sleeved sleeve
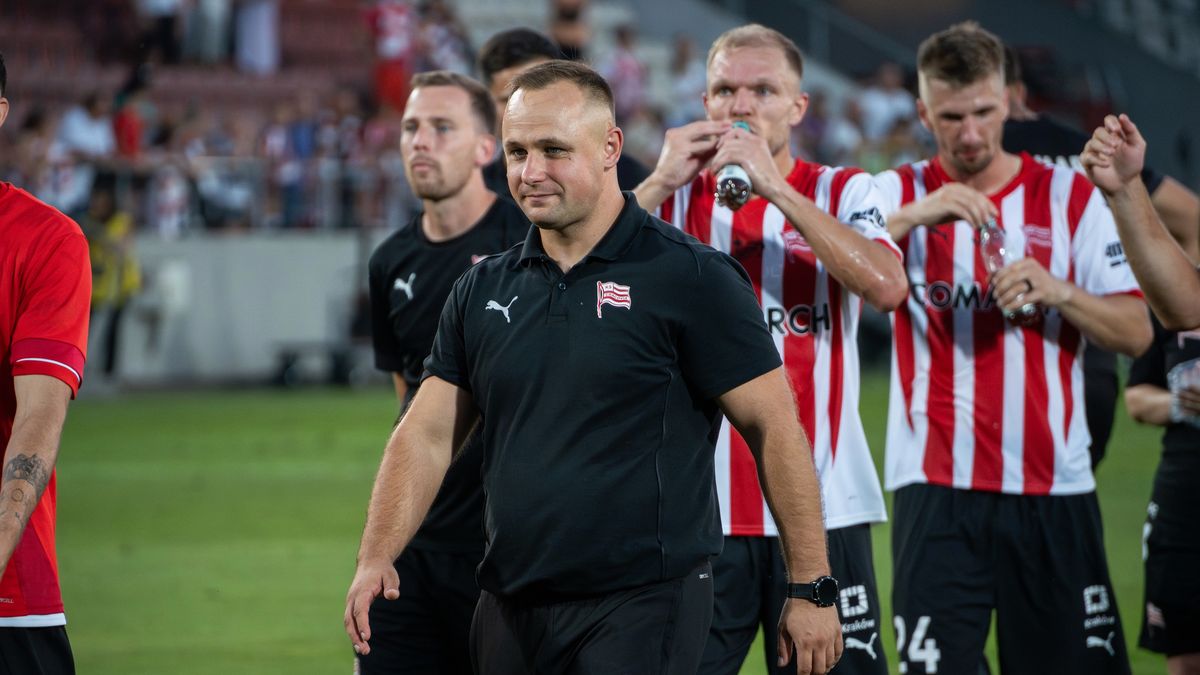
{"x":1151,"y":366}
{"x":448,"y":358}
{"x":50,"y":335}
{"x":383,"y":339}
{"x":888,"y":191}
{"x":723,"y":341}
{"x":862,"y":207}
{"x":1099,"y":258}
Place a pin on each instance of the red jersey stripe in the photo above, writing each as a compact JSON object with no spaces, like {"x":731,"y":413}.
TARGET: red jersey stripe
{"x":939,"y":267}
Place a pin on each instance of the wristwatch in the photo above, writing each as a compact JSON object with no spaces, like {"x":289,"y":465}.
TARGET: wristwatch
{"x":822,"y":592}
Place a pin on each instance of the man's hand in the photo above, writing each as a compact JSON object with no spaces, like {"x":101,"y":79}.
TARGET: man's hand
{"x":949,"y":203}
{"x":1026,"y":281}
{"x":1189,"y":400}
{"x":813,"y":632}
{"x":1116,"y":154}
{"x":686,"y":150}
{"x":751,"y":152}
{"x":370,"y":581}
{"x":954,"y":201}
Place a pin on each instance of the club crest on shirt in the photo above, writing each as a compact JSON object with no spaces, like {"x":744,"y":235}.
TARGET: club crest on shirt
{"x":611,"y":293}
{"x":794,"y":243}
{"x":1037,"y":235}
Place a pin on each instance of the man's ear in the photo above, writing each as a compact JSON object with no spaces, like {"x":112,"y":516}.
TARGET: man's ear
{"x":799,"y":107}
{"x":485,"y":150}
{"x":923,"y":115}
{"x":614,"y":142}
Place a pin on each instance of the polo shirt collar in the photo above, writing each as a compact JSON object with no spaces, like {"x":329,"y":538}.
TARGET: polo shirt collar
{"x":610,"y":247}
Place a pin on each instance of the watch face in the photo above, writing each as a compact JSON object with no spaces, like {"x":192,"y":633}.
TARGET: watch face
{"x":825,"y":591}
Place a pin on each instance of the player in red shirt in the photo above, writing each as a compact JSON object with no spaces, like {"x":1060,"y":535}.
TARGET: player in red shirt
{"x":45,"y":287}
{"x":995,"y":505}
{"x":814,"y":244}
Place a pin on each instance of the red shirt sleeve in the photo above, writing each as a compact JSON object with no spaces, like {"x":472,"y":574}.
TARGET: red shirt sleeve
{"x":50,"y":336}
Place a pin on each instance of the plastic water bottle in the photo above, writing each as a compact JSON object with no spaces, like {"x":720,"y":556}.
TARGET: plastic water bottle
{"x":733,"y":183}
{"x":998,"y":255}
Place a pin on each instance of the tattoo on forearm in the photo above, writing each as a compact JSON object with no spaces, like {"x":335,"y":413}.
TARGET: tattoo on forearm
{"x":27,"y":468}
{"x":13,"y":509}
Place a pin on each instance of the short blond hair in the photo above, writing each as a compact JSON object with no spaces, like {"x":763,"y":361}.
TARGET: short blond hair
{"x":758,"y":35}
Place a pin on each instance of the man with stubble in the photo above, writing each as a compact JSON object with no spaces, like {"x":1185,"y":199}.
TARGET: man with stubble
{"x":596,"y":359}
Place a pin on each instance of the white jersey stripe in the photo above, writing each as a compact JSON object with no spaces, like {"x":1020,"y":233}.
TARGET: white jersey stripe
{"x":772,"y":265}
{"x":964,"y":356}
{"x":1060,"y":267}
{"x":771,"y":296}
{"x":682,"y":204}
{"x":722,"y":228}
{"x":721,"y":468}
{"x":904,"y":468}
{"x":1012,"y":440}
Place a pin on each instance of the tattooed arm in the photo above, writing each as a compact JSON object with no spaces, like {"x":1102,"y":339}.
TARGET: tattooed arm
{"x":29,"y":457}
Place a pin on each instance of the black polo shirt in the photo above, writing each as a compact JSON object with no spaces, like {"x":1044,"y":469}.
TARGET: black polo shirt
{"x":597,"y":393}
{"x":410,"y":278}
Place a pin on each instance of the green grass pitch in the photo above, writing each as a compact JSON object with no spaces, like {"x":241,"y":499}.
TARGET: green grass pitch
{"x":215,"y":532}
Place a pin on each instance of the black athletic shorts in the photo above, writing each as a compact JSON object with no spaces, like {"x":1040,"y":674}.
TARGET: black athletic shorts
{"x":427,"y":629}
{"x":650,"y":630}
{"x":750,"y":589}
{"x":1171,"y":613}
{"x":36,"y":651}
{"x":1100,"y":389}
{"x":1038,"y":561}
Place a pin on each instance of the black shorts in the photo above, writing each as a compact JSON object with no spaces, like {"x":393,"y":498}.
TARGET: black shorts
{"x":1100,"y":388}
{"x":654,"y":629}
{"x":427,"y":629}
{"x":751,"y":587}
{"x":1171,"y":612}
{"x":36,"y":651}
{"x":1038,"y":561}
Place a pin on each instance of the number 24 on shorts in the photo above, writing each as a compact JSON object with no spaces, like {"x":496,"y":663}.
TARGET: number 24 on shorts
{"x":920,"y":648}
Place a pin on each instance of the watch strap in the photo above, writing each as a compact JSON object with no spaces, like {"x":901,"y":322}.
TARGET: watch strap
{"x":802,"y":591}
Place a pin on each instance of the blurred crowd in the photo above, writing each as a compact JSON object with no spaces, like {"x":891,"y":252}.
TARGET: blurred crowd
{"x":328,"y":158}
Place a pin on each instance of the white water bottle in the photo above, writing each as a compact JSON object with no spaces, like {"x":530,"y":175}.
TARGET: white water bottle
{"x":733,"y":183}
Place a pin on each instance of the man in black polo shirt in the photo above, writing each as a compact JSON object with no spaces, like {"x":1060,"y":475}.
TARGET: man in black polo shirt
{"x":1053,"y":142}
{"x":597,"y":358}
{"x":446,"y":138}
{"x":508,"y":54}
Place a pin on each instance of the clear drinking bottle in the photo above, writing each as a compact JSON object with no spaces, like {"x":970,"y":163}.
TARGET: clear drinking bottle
{"x":733,"y":183}
{"x":997,"y":255}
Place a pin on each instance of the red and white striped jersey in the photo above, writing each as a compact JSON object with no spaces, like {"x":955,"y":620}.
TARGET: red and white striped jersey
{"x":815,"y":325}
{"x":978,"y":402}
